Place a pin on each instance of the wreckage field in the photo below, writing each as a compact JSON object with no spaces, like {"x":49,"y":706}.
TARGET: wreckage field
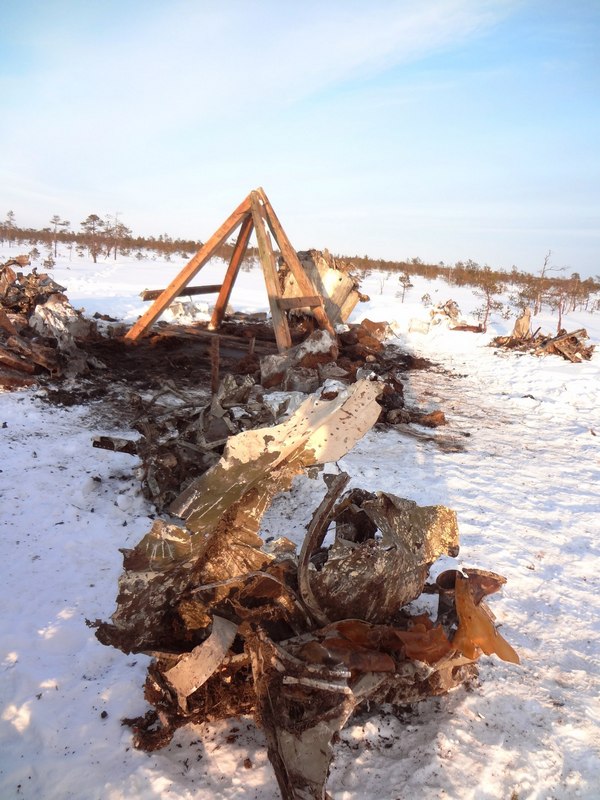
{"x":291,"y":551}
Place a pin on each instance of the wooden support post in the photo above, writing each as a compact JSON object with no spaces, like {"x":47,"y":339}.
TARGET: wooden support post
{"x":187,"y":273}
{"x":235,"y":263}
{"x":290,"y":256}
{"x":215,"y":353}
{"x":267,"y":258}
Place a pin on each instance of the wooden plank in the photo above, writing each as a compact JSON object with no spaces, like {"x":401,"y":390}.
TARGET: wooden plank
{"x":287,"y":303}
{"x":267,"y":258}
{"x":189,"y":291}
{"x":240,"y":343}
{"x":305,"y":284}
{"x":235,"y":263}
{"x":187,"y":273}
{"x":563,"y":336}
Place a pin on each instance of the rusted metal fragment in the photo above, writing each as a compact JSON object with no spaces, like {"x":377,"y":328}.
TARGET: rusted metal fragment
{"x":195,"y":668}
{"x":304,"y":699}
{"x":476,"y":626}
{"x":313,"y":540}
{"x":300,"y":710}
{"x":371,"y":578}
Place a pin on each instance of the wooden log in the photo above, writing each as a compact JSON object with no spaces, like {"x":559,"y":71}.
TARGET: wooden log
{"x":238,"y":343}
{"x":571,"y":355}
{"x":305,"y":284}
{"x":267,"y":258}
{"x":287,"y":303}
{"x":235,"y":263}
{"x":563,"y":336}
{"x":187,"y":273}
{"x":189,"y":291}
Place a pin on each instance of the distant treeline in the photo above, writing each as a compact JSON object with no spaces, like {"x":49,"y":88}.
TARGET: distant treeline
{"x":110,"y":237}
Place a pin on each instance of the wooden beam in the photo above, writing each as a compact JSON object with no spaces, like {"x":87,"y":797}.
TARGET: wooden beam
{"x":189,"y":291}
{"x":290,"y":256}
{"x":286,"y":303}
{"x":267,"y":258}
{"x":187,"y":273}
{"x":239,"y":251}
{"x":241,"y":344}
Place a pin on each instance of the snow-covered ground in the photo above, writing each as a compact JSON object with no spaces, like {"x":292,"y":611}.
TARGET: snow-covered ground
{"x":519,"y":461}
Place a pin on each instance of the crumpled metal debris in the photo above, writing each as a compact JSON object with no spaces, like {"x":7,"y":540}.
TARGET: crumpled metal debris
{"x":39,"y":328}
{"x":381,"y":574}
{"x":300,"y":642}
{"x":222,"y":511}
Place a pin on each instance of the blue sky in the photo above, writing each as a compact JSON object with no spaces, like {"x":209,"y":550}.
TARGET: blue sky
{"x":444,"y":129}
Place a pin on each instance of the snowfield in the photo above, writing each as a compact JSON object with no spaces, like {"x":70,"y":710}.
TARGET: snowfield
{"x":520,"y":463}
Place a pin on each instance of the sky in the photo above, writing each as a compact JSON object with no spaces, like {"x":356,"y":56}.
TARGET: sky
{"x":442,"y":129}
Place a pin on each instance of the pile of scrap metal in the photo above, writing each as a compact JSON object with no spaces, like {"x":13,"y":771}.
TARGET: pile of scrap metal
{"x":574,"y":346}
{"x":39,"y":328}
{"x":302,"y":641}
{"x":183,"y":434}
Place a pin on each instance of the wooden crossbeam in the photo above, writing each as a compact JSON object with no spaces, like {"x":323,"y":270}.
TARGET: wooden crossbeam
{"x":187,"y":273}
{"x":189,"y":291}
{"x":235,"y":263}
{"x":290,"y":256}
{"x":267,"y":258}
{"x":287,"y":303}
{"x":254,"y":213}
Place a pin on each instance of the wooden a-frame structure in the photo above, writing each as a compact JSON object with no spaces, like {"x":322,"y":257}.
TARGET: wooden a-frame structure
{"x":254,"y":213}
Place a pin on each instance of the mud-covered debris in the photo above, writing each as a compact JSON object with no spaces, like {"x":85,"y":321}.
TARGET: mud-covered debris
{"x":573,"y":346}
{"x":319,"y":348}
{"x":383,"y":549}
{"x":222,"y":511}
{"x":238,"y":628}
{"x":39,"y":329}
